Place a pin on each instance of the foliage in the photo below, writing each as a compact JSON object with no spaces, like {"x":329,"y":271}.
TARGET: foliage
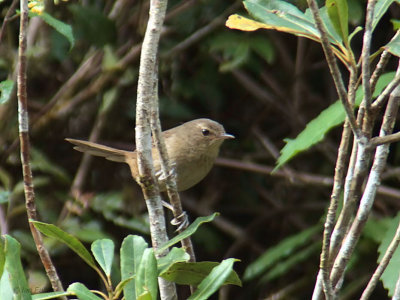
{"x":265,"y":87}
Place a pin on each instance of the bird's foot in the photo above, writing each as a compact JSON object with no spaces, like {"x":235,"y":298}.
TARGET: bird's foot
{"x":172,"y":173}
{"x":182,"y":221}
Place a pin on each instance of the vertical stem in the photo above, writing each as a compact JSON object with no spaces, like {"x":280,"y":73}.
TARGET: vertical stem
{"x":25,"y":150}
{"x":145,"y":94}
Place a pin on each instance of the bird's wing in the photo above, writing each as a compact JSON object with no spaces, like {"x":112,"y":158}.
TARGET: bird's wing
{"x":100,"y":150}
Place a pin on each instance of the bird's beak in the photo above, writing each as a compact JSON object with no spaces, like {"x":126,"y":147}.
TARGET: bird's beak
{"x":227,"y":136}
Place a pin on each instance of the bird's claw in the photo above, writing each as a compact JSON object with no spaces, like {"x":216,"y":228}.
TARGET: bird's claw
{"x":182,"y":221}
{"x":160,"y":175}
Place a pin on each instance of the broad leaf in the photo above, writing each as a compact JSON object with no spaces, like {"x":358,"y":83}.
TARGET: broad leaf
{"x":61,"y":27}
{"x":72,"y":242}
{"x":147,"y":275}
{"x":173,"y":256}
{"x":195,"y":273}
{"x":391,"y":274}
{"x":338,"y":13}
{"x":14,"y":268}
{"x":52,"y":295}
{"x":394,"y":45}
{"x":103,"y":251}
{"x":82,"y":292}
{"x":192,"y":228}
{"x":329,"y":118}
{"x":285,"y":248}
{"x":214,"y":280}
{"x":132,"y":250}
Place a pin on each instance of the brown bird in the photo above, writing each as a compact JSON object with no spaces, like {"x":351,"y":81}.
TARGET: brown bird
{"x":192,"y":149}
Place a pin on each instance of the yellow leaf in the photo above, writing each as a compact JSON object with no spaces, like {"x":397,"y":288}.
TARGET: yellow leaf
{"x":242,"y":23}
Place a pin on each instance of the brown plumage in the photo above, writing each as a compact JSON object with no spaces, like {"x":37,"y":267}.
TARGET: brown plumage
{"x":192,"y":149}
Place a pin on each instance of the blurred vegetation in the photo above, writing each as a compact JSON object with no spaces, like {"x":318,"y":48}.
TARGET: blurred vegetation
{"x":263,"y":86}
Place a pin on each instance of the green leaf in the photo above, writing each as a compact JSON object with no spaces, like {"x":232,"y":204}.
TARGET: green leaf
{"x":4,"y":196}
{"x":103,"y":251}
{"x":338,"y":13}
{"x":283,"y":267}
{"x":121,"y":285}
{"x":214,"y":280}
{"x":375,"y":229}
{"x":195,"y":273}
{"x":147,"y":275}
{"x":59,"y":26}
{"x":145,"y":296}
{"x":173,"y":256}
{"x":2,"y":257}
{"x":394,"y":46}
{"x":82,"y":292}
{"x":380,"y":9}
{"x":132,"y":250}
{"x":14,"y":268}
{"x":72,"y":242}
{"x":52,"y":295}
{"x":329,"y":118}
{"x":188,"y":231}
{"x":6,"y":290}
{"x":391,"y":274}
{"x":285,"y":248}
{"x":6,"y":88}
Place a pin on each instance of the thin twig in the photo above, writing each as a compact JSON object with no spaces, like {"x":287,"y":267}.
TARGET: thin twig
{"x":365,"y":54}
{"x":331,"y":215}
{"x":385,"y":93}
{"x":25,"y":150}
{"x":333,"y":67}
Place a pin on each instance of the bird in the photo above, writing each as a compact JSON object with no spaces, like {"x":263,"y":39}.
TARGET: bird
{"x":192,"y":149}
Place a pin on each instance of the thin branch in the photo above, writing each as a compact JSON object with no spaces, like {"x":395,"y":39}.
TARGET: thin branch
{"x":145,"y":94}
{"x":380,"y":140}
{"x":7,"y":18}
{"x":365,"y":55}
{"x":331,"y":215}
{"x":386,"y":92}
{"x":382,"y":265}
{"x":370,"y":190}
{"x":25,"y":150}
{"x":333,"y":67}
{"x":202,"y":32}
{"x":170,"y":175}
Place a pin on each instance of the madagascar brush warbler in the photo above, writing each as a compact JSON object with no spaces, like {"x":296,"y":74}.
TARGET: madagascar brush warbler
{"x":192,"y":149}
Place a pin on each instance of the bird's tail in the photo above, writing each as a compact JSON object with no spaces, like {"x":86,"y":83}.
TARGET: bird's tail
{"x":100,"y":150}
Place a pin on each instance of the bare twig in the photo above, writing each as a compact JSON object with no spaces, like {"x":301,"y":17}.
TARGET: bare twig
{"x":25,"y":150}
{"x":369,"y":192}
{"x":7,"y":17}
{"x":333,"y":67}
{"x":202,"y":32}
{"x":365,"y":53}
{"x":382,"y":265}
{"x":145,"y":94}
{"x":169,"y":175}
{"x":331,"y":215}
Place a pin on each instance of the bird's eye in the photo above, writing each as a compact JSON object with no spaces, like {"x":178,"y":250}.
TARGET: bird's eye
{"x":205,"y":132}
